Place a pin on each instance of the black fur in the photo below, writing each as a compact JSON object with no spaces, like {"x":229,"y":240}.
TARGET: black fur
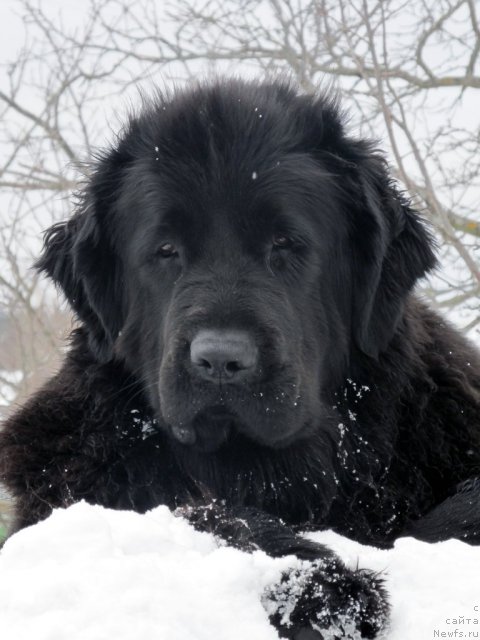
{"x":363,"y":415}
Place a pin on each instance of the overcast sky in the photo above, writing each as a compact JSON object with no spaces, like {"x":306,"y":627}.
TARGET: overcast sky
{"x":11,"y":26}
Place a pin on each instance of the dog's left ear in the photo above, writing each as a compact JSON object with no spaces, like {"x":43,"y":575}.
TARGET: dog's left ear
{"x":80,"y":259}
{"x":392,"y":250}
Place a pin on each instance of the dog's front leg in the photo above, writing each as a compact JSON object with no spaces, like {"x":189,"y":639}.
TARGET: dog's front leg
{"x":317,"y":599}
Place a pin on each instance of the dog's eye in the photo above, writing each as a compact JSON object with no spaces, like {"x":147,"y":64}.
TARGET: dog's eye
{"x":281,"y":242}
{"x":167,"y":250}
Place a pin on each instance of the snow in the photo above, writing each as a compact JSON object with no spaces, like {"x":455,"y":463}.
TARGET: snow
{"x":430,"y":585}
{"x":88,"y":573}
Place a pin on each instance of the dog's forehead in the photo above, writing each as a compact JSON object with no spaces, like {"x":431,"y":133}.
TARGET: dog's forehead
{"x":239,"y":159}
{"x":228,"y":200}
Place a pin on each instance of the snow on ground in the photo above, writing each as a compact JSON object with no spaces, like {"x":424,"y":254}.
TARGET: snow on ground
{"x":88,"y":573}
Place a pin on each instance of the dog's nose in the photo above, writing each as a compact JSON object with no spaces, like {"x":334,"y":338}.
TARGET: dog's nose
{"x":223,"y":356}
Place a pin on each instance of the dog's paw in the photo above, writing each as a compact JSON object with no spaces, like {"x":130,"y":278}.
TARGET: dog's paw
{"x":324,"y":600}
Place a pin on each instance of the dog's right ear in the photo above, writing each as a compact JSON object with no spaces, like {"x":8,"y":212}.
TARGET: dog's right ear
{"x":57,"y":261}
{"x":83,"y":264}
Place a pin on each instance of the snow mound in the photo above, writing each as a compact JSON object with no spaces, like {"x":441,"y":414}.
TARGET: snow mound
{"x":88,"y":573}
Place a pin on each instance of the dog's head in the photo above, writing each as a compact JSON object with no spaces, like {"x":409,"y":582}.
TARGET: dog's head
{"x":234,"y":250}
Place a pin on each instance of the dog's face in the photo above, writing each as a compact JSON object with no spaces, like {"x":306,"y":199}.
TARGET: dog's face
{"x":233,"y":251}
{"x":226,"y":318}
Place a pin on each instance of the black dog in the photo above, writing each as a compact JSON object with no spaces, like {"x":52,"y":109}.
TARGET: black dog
{"x":242,"y":272}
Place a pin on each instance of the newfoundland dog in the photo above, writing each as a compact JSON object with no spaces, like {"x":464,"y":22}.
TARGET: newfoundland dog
{"x":250,"y":352}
